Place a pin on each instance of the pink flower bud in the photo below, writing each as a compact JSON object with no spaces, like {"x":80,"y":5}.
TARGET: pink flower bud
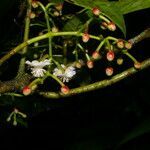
{"x":110,"y":55}
{"x":96,"y":11}
{"x":85,"y":37}
{"x":90,"y":64}
{"x":111,"y":26}
{"x":109,"y":71}
{"x":137,"y":65}
{"x":96,"y":55}
{"x":65,"y":89}
{"x":26,"y":90}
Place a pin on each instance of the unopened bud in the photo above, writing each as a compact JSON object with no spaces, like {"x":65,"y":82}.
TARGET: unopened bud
{"x":110,"y":55}
{"x":85,"y":37}
{"x":109,"y":71}
{"x":90,"y":64}
{"x":96,"y":11}
{"x":65,"y":89}
{"x":111,"y":26}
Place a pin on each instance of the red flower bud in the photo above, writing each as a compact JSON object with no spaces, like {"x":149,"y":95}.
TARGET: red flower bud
{"x":65,"y":89}
{"x":90,"y":64}
{"x":96,"y":55}
{"x":96,"y":11}
{"x":110,"y":55}
{"x":85,"y":37}
{"x":26,"y":90}
{"x":109,"y":71}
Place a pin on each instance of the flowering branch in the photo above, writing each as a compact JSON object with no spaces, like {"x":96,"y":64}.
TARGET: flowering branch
{"x":15,"y":84}
{"x":97,"y":85}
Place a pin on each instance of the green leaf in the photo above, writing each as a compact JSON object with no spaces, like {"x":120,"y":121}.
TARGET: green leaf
{"x":73,"y":24}
{"x":128,"y":6}
{"x":108,"y":8}
{"x":138,"y":131}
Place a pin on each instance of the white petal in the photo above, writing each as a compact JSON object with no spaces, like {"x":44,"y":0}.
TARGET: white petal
{"x":38,"y":64}
{"x":38,"y":72}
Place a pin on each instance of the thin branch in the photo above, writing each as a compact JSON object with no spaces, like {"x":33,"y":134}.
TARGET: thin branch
{"x":39,"y":38}
{"x":97,"y":85}
{"x":143,"y":35}
{"x":25,"y":38}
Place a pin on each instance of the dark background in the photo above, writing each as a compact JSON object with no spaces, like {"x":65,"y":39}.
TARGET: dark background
{"x":92,"y":121}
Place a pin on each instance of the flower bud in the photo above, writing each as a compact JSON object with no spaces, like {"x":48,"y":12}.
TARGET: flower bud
{"x":26,"y":90}
{"x":65,"y":89}
{"x":85,"y":37}
{"x":32,"y":15}
{"x":56,"y":13}
{"x":120,"y":43}
{"x":96,"y":11}
{"x":137,"y":65}
{"x":109,"y":71}
{"x":90,"y":64}
{"x":96,"y":55}
{"x":128,"y":45}
{"x":110,"y":55}
{"x":34,"y":4}
{"x":111,"y":26}
{"x":119,"y":61}
{"x":16,"y":110}
{"x":59,"y":6}
{"x":55,"y":29}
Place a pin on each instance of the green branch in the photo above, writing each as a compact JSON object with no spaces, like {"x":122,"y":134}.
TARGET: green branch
{"x":48,"y":28}
{"x":25,"y":38}
{"x":39,"y":38}
{"x":97,"y":85}
{"x":143,"y":35}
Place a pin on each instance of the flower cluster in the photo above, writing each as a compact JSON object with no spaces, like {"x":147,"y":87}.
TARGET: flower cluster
{"x":65,"y":73}
{"x":37,"y":67}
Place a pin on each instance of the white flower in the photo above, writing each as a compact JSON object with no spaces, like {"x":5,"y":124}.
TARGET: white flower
{"x":66,"y":74}
{"x":37,"y":67}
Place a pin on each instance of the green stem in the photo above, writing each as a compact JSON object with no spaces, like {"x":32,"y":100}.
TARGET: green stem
{"x":130,"y":56}
{"x":100,"y":45}
{"x":55,"y":78}
{"x":39,"y":38}
{"x":141,"y":36}
{"x":48,"y":28}
{"x":25,"y":38}
{"x":104,"y":18}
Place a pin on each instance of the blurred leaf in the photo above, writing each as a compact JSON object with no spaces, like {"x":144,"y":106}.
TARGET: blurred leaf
{"x":73,"y":24}
{"x":128,"y":6}
{"x":138,"y":131}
